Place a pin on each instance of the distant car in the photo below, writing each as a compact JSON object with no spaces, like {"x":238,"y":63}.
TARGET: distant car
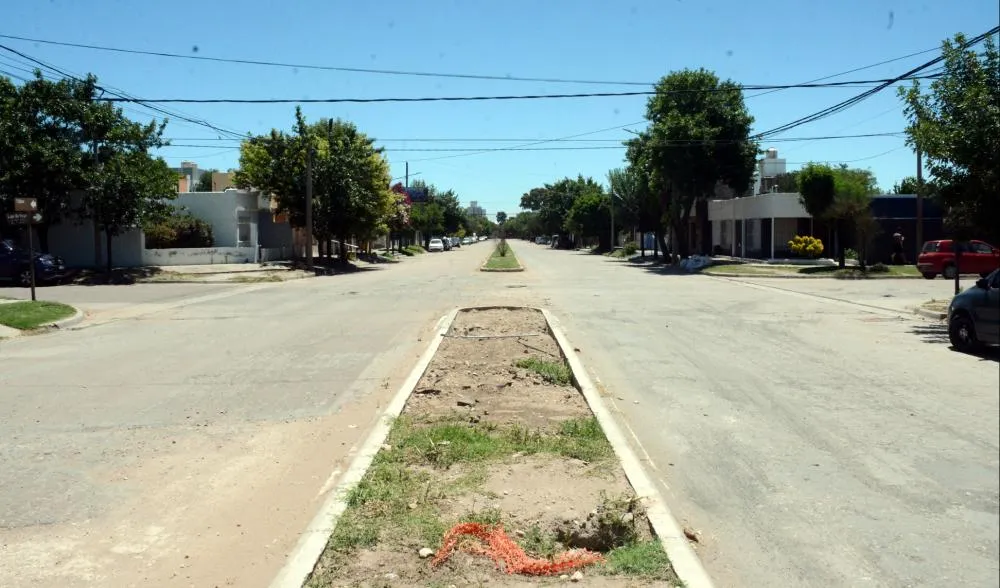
{"x":466,"y":240}
{"x":974,"y":315}
{"x":14,"y":266}
{"x":938,"y":258}
{"x":435,"y":245}
{"x":456,"y":242}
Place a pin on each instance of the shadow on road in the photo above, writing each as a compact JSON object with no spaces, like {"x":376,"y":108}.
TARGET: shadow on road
{"x":937,"y":334}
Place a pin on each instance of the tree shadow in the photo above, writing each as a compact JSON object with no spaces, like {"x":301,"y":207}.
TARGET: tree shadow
{"x":937,"y":334}
{"x":122,"y":276}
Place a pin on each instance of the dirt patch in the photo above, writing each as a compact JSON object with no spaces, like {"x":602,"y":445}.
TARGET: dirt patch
{"x":497,"y":436}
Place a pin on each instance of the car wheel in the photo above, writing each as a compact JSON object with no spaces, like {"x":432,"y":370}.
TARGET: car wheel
{"x":962,"y":333}
{"x":24,"y":277}
{"x":929,"y":275}
{"x":949,"y":272}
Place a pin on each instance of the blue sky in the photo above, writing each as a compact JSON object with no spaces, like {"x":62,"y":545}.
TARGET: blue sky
{"x":776,"y":42}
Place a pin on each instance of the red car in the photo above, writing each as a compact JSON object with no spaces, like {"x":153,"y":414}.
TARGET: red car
{"x":938,"y":257}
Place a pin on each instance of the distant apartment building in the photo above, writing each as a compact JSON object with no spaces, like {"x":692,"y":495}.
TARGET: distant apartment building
{"x":191,"y":175}
{"x":475,"y":210}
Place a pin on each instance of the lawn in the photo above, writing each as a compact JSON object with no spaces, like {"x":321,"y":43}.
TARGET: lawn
{"x":507,"y":261}
{"x":831,"y":271}
{"x":30,"y":315}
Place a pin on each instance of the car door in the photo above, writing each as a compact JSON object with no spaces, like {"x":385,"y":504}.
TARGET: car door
{"x":978,"y":258}
{"x":8,"y":262}
{"x":988,"y":312}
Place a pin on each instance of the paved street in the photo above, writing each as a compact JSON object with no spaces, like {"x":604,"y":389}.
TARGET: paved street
{"x":812,"y":441}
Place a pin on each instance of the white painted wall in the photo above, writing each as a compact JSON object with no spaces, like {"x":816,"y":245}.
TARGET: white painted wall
{"x":219,"y":209}
{"x":75,"y":244}
{"x":773,"y":205}
{"x":198,"y":256}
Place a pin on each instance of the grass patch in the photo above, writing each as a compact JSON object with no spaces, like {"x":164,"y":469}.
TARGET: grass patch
{"x":553,"y":372}
{"x":256,"y":279}
{"x":398,"y":500}
{"x":502,"y":258}
{"x":33,"y":314}
{"x":413,"y":250}
{"x":877,"y":270}
{"x":645,"y":559}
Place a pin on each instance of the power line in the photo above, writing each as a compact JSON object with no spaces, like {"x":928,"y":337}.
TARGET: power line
{"x":851,"y":83}
{"x":841,"y":106}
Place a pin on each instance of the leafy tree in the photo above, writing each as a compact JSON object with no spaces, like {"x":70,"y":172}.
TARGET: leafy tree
{"x":907,"y":185}
{"x":625,"y":194}
{"x":650,"y":207}
{"x":787,"y":182}
{"x":817,"y":189}
{"x":428,"y":218}
{"x":589,"y":216}
{"x":956,"y":124}
{"x":698,"y":137}
{"x":180,"y":229}
{"x":204,"y":183}
{"x":501,"y":217}
{"x":40,"y":148}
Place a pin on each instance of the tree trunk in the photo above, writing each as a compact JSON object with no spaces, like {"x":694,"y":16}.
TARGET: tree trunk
{"x":682,"y":231}
{"x":107,"y":245}
{"x":841,"y":261}
{"x":642,"y":243}
{"x":661,"y":241}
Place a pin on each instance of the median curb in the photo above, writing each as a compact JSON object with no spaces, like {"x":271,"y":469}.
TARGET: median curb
{"x":683,"y":558}
{"x":804,"y":277}
{"x":301,"y":561}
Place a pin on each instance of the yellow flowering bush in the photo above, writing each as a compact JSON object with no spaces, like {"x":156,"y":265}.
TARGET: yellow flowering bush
{"x":806,"y":246}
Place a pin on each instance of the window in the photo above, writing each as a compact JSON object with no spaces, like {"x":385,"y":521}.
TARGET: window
{"x":931,"y":247}
{"x":980,"y":247}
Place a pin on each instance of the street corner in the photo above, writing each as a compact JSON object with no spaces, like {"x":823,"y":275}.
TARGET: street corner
{"x":22,"y":317}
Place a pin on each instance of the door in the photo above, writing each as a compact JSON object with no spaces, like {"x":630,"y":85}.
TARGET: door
{"x":982,"y":258}
{"x":988,"y":313}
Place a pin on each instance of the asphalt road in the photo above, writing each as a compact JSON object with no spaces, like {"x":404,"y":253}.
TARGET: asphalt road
{"x":189,"y":433}
{"x":830,"y":440}
{"x":186,"y":434}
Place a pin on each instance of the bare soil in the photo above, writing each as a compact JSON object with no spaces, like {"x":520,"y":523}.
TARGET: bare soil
{"x":482,"y":440}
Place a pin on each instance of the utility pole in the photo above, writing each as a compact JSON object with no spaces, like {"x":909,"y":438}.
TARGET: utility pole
{"x":309,"y":209}
{"x":612,"y":221}
{"x":919,"y":237}
{"x":97,"y":230}
{"x":406,"y":178}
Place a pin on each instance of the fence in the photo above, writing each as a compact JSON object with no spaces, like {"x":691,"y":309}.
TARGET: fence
{"x":198,"y":256}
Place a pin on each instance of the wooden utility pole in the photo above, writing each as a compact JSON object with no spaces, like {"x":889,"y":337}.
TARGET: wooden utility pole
{"x":309,"y":209}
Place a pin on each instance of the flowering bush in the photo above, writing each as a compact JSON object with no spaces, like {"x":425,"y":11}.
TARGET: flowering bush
{"x":806,"y":246}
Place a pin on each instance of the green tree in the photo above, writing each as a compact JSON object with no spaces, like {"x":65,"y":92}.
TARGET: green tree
{"x":501,"y":217}
{"x":204,"y":183}
{"x":590,"y":216}
{"x":625,"y":194}
{"x":956,"y":124}
{"x":907,"y":185}
{"x":40,"y":148}
{"x":698,"y":138}
{"x":817,"y":189}
{"x":428,"y":218}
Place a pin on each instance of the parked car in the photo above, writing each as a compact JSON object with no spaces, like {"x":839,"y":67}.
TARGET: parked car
{"x":938,"y":258}
{"x":466,"y":240}
{"x":456,"y":242}
{"x":14,"y":266}
{"x":435,"y":245}
{"x":974,"y":315}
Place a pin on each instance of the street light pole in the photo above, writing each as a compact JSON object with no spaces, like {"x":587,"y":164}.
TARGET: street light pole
{"x":612,"y":204}
{"x":309,"y":208}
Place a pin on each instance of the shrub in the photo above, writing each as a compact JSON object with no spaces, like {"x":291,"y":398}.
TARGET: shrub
{"x":850,"y":253}
{"x":806,"y":246}
{"x":878,"y":268}
{"x":630,"y":248}
{"x":180,"y":230}
{"x":503,"y":248}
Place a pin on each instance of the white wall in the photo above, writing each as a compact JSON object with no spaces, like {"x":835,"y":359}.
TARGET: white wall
{"x":773,"y":205}
{"x":75,"y":244}
{"x":197,"y":256}
{"x":219,"y":209}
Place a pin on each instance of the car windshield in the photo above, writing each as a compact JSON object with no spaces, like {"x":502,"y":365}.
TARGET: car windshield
{"x":931,"y":247}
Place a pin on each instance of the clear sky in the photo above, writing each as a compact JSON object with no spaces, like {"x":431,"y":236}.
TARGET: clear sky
{"x":776,"y":42}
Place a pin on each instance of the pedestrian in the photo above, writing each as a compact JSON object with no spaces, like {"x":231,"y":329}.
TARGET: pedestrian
{"x":898,"y":253}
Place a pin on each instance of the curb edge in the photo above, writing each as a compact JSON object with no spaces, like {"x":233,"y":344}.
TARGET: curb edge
{"x":299,"y":563}
{"x":685,"y":561}
{"x":930,"y":314}
{"x":77,"y":317}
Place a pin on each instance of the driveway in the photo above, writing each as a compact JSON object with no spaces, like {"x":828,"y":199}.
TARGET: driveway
{"x":811,"y":441}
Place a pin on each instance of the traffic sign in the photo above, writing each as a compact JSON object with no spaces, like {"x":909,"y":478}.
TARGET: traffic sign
{"x":25,"y":204}
{"x":22,"y":218}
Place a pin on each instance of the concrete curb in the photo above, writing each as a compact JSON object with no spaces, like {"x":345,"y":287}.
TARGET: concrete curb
{"x":66,"y":322}
{"x":231,"y":282}
{"x":803,"y":277}
{"x":931,"y":314}
{"x":686,"y":563}
{"x":301,"y":561}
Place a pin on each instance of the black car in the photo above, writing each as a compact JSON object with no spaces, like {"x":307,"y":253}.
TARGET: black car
{"x":14,"y":266}
{"x":974,"y":315}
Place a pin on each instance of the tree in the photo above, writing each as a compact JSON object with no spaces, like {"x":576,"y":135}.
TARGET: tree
{"x":428,"y":218}
{"x":956,"y":124}
{"x":907,"y":185}
{"x":501,"y":217}
{"x":204,"y":183}
{"x":817,"y":189}
{"x":625,"y":194}
{"x":40,"y":152}
{"x":590,"y":216}
{"x":698,"y":137}
{"x":787,"y":182}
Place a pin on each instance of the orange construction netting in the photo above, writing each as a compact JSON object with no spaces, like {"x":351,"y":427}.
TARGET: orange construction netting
{"x":503,"y":550}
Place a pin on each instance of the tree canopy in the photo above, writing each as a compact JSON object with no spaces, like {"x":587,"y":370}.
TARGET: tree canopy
{"x":956,"y":124}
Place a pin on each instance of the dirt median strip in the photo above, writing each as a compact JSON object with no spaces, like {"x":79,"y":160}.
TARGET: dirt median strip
{"x":496,"y":471}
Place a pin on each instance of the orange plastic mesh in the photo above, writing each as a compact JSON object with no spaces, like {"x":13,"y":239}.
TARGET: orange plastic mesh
{"x":496,"y":544}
